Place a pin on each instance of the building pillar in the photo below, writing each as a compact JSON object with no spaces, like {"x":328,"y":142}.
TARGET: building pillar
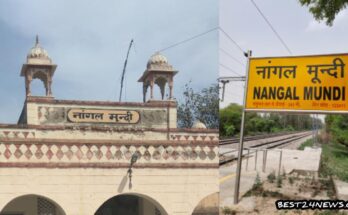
{"x":151,"y":88}
{"x":171,"y":87}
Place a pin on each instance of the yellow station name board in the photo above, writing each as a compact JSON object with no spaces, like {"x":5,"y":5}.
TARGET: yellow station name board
{"x":103,"y":116}
{"x":304,"y":83}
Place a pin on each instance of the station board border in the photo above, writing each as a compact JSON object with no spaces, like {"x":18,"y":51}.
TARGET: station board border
{"x":299,"y":56}
{"x":297,"y":111}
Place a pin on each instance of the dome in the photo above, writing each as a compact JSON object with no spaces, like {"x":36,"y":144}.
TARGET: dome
{"x":198,"y":124}
{"x":157,"y":58}
{"x":158,"y":62}
{"x":37,"y":53}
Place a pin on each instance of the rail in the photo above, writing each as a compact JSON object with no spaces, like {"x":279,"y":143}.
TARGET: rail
{"x":226,"y":158}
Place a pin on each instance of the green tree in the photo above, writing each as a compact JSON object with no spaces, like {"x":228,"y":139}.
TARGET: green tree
{"x":337,"y":125}
{"x":230,"y":116}
{"x":325,"y":9}
{"x":207,"y":106}
{"x":185,"y":113}
{"x":202,"y":106}
{"x":230,"y":121}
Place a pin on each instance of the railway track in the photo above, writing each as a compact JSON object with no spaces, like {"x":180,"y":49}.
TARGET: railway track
{"x":230,"y":156}
{"x":250,"y":138}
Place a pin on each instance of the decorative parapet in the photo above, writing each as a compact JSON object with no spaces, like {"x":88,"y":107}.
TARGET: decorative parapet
{"x":194,"y":135}
{"x":105,"y":133}
{"x":99,"y":154}
{"x":17,"y":133}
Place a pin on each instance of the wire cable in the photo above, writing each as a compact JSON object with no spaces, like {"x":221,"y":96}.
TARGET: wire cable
{"x":188,"y":39}
{"x":232,"y":57}
{"x":232,"y":40}
{"x":271,"y":26}
{"x":229,"y":69}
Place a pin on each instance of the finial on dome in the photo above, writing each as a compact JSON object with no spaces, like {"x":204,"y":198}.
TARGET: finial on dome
{"x":37,"y":40}
{"x":38,"y":53}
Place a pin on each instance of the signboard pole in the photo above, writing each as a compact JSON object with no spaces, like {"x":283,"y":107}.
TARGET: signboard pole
{"x":240,"y":146}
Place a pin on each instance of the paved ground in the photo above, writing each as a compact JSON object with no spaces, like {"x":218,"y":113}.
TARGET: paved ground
{"x":341,"y":189}
{"x":291,"y":159}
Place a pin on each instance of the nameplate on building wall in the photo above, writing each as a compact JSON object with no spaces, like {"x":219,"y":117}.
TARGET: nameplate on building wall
{"x":103,"y":116}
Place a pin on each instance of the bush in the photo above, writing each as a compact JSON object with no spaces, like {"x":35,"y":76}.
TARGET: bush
{"x":257,"y":183}
{"x":229,"y":130}
{"x":271,"y":177}
{"x":228,"y":211}
{"x":307,"y":143}
{"x":337,"y":125}
{"x":291,"y":180}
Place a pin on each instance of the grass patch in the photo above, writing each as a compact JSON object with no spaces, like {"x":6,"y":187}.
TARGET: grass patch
{"x":228,"y":211}
{"x":334,"y":161}
{"x":308,"y":143}
{"x":260,"y":191}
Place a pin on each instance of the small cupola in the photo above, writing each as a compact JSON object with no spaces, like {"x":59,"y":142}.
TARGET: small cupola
{"x":158,"y":71}
{"x":38,"y":66}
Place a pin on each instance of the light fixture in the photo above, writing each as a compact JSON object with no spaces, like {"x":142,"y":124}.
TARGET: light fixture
{"x":133,"y":160}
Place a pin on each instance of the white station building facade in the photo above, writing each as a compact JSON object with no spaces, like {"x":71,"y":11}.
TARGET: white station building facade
{"x":70,"y":157}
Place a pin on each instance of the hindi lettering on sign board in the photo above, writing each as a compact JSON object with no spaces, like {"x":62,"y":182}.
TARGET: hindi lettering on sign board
{"x":103,"y":116}
{"x":304,"y":83}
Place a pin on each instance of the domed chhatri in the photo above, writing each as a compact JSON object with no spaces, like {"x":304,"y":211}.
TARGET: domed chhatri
{"x":158,"y":62}
{"x":199,"y":125}
{"x":158,"y":71}
{"x":38,"y":66}
{"x":38,"y":55}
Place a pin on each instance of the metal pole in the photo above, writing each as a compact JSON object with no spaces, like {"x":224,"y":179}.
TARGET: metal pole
{"x":280,"y":161}
{"x":240,"y":145}
{"x":124,"y":70}
{"x":224,"y":82}
{"x":255,"y":159}
{"x":264,"y":160}
{"x":316,"y":130}
{"x":313,"y":129}
{"x":247,"y":162}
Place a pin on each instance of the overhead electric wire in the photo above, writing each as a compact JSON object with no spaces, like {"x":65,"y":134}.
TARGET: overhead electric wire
{"x":271,"y":26}
{"x":229,"y":69}
{"x":232,"y":40}
{"x":232,"y":57}
{"x":188,"y":39}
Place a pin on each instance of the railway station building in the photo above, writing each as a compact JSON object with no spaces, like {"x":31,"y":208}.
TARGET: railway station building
{"x":70,"y":157}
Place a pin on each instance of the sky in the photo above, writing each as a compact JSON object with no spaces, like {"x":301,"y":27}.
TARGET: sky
{"x":293,"y":22}
{"x":88,"y":40}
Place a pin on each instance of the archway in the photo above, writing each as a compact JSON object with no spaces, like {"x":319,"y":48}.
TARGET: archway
{"x":36,"y":87}
{"x":131,"y":204}
{"x":32,"y":205}
{"x":208,"y":206}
